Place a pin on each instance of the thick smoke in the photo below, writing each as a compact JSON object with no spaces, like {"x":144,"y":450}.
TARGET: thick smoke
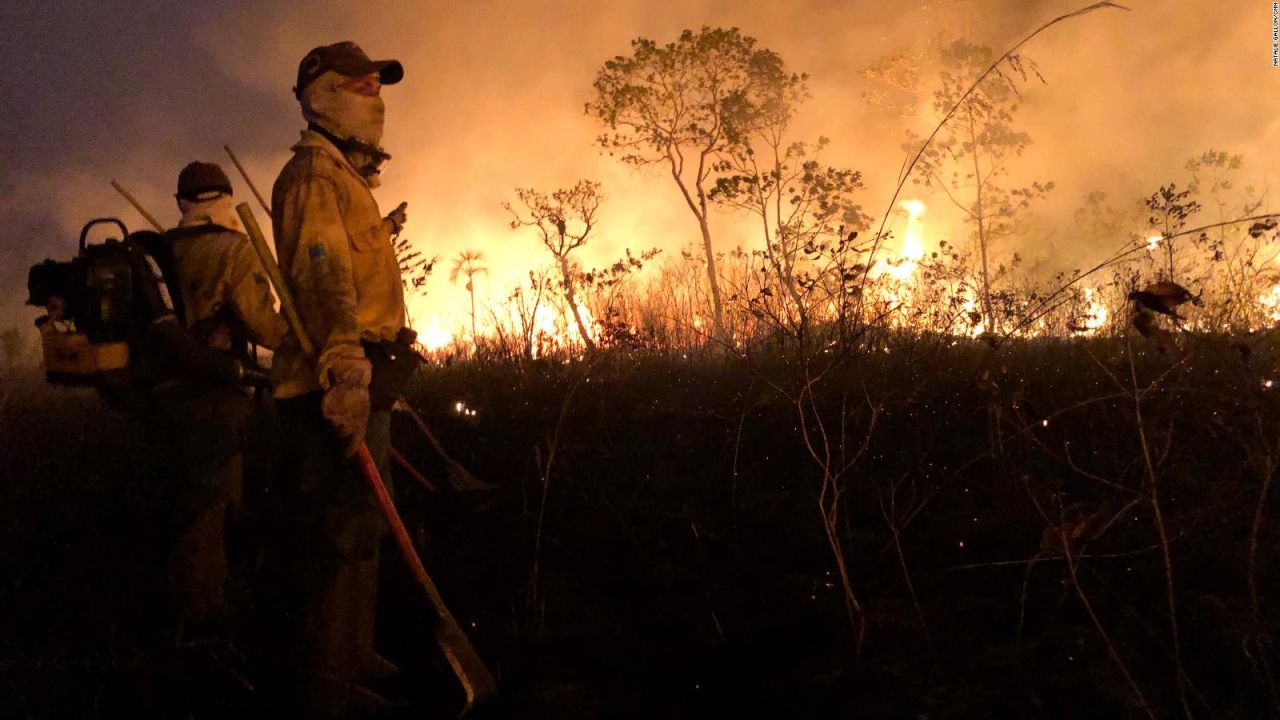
{"x":493,"y":99}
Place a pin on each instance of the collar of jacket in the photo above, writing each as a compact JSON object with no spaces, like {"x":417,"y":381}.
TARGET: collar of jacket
{"x":314,"y":140}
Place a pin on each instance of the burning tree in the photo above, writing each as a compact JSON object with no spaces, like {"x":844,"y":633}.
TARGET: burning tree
{"x":564,"y":220}
{"x":970,"y":156}
{"x":686,"y":104}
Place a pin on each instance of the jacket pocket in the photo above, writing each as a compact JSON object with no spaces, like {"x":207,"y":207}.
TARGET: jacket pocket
{"x":368,"y":239}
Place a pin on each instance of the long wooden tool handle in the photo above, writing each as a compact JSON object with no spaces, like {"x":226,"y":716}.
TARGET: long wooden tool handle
{"x":476,"y":680}
{"x":253,"y":188}
{"x":422,"y":425}
{"x":277,"y":280}
{"x":138,"y":206}
{"x":408,"y":467}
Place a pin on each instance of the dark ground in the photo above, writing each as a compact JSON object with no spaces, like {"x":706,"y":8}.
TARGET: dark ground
{"x":683,"y":570}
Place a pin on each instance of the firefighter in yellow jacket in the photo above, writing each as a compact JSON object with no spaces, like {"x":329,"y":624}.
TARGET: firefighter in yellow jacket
{"x":337,"y":256}
{"x":200,"y":427}
{"x":226,"y":297}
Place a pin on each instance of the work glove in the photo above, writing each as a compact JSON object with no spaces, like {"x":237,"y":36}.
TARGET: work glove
{"x":346,"y":399}
{"x":397,"y":218}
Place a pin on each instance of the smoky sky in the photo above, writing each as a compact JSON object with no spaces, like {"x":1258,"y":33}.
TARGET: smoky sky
{"x":493,"y":99}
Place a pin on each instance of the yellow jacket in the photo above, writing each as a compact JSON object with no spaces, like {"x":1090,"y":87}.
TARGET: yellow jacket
{"x":337,"y":258}
{"x":219,"y":271}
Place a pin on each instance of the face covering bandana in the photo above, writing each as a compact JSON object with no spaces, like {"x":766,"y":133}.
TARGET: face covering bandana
{"x":215,"y":211}
{"x":348,"y":115}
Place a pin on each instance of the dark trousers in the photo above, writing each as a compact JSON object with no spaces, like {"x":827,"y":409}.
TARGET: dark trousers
{"x":195,"y":434}
{"x":197,"y":567}
{"x":329,"y":527}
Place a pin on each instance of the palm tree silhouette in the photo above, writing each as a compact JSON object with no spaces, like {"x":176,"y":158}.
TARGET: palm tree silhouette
{"x":468,"y":264}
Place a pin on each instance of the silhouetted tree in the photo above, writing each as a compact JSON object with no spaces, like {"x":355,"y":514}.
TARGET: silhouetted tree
{"x":564,"y":220}
{"x":468,"y":264}
{"x":684,"y":105}
{"x":415,"y":268}
{"x":971,"y":155}
{"x":802,"y":205}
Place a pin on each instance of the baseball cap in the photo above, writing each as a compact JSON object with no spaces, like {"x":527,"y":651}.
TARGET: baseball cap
{"x":200,"y":178}
{"x":345,"y":58}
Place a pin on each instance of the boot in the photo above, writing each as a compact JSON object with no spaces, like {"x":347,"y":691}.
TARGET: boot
{"x":374,"y":666}
{"x":324,"y":698}
{"x":336,"y":644}
{"x":370,"y":664}
{"x":197,"y":574}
